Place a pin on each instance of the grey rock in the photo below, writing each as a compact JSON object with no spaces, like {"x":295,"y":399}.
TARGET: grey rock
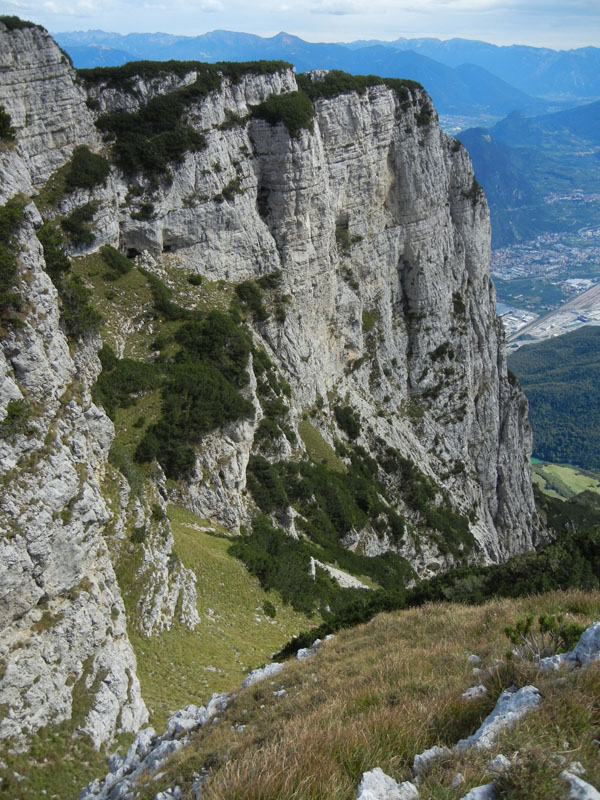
{"x":578,"y":788}
{"x":376,"y":785}
{"x":587,"y":648}
{"x":486,"y":792}
{"x":263,"y":672}
{"x":418,"y":264}
{"x":510,"y":707}
{"x":425,"y":760}
{"x":474,"y":692}
{"x":498,"y":764}
{"x":553,"y":663}
{"x":474,"y":659}
{"x":585,"y":652}
{"x":457,"y":780}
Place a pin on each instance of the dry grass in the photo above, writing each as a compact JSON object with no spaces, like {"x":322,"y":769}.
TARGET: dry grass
{"x":378,"y":694}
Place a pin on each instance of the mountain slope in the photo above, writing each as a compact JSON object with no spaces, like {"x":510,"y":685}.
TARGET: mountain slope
{"x":260,"y":298}
{"x":377,"y":695}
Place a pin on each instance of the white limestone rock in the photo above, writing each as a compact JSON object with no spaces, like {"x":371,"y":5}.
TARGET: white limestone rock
{"x":148,"y":752}
{"x":578,"y":788}
{"x":586,"y":651}
{"x":423,"y":762}
{"x":46,"y":105}
{"x":511,"y":706}
{"x":474,"y":692}
{"x":458,"y":780}
{"x":376,"y":785}
{"x":268,"y":671}
{"x":498,"y":764}
{"x":486,"y":792}
{"x":61,"y":614}
{"x":587,"y":648}
{"x":419,"y":267}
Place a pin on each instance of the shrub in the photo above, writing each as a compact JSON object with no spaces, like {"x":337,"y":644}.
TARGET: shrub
{"x":150,"y":139}
{"x":195,"y":280}
{"x":200,"y":390}
{"x":265,"y":485}
{"x":229,"y":191}
{"x":474,"y":193}
{"x":144,"y":212}
{"x":422,"y":494}
{"x":279,"y":563}
{"x":552,"y":636}
{"x":216,"y":339}
{"x":86,"y":169}
{"x":250,"y":296}
{"x":14,"y":23}
{"x":196,"y":399}
{"x":458,"y":304}
{"x":122,"y":379}
{"x":337,"y":82}
{"x":425,"y":114}
{"x":77,"y":313}
{"x":7,"y":132}
{"x":76,"y":225}
{"x":161,"y":298}
{"x":57,"y":262}
{"x":121,"y":460}
{"x":270,"y":281}
{"x":118,"y":263}
{"x":138,"y":535}
{"x":15,"y":421}
{"x":11,"y":218}
{"x":348,"y":421}
{"x":269,"y":609}
{"x":293,"y":109}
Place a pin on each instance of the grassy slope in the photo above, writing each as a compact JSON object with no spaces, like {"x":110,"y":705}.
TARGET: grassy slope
{"x":235,"y":635}
{"x":378,"y":694}
{"x":563,"y":482}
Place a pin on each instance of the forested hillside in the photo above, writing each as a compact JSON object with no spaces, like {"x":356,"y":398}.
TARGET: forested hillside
{"x":561,"y":378}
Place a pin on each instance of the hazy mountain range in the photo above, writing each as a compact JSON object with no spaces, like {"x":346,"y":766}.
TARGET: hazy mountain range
{"x":522,"y":161}
{"x":463,"y":77}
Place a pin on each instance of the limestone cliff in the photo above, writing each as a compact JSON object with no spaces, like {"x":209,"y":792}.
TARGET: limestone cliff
{"x":370,"y":218}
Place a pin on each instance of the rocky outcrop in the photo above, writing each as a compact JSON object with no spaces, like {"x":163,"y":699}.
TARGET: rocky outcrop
{"x":61,"y":613}
{"x":148,"y":750}
{"x":45,"y":102}
{"x":64,"y":637}
{"x":382,"y":238}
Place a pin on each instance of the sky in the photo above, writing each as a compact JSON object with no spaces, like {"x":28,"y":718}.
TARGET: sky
{"x":560,"y":24}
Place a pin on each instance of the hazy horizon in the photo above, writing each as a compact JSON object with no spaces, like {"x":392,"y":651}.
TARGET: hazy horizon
{"x":537,"y":23}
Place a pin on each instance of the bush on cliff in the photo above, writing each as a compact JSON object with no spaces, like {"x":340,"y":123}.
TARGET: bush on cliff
{"x":293,"y":109}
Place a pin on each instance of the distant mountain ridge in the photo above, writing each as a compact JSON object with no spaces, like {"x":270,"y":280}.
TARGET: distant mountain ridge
{"x":520,"y":161}
{"x":464,"y":89}
{"x":538,"y":71}
{"x":556,"y":75}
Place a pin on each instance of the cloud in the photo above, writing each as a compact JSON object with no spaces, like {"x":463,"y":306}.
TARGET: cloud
{"x":338,"y":8}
